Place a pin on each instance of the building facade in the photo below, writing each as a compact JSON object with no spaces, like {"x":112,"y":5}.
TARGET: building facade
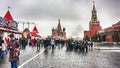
{"x":111,"y":34}
{"x":58,"y":32}
{"x":94,"y":24}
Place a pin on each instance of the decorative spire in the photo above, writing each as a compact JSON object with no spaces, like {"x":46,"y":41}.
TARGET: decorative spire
{"x":94,"y":14}
{"x":53,"y":29}
{"x":59,"y":25}
{"x":8,"y":7}
{"x":94,"y":6}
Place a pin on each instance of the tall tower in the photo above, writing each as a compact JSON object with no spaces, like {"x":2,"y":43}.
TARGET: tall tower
{"x":94,"y":25}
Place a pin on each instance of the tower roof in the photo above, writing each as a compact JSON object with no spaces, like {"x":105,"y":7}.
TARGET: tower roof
{"x":94,"y":6}
{"x":35,"y":29}
{"x":59,"y":23}
{"x":94,"y":14}
{"x":8,"y":16}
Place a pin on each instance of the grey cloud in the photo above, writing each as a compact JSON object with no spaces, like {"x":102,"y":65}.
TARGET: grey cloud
{"x":110,"y":6}
{"x":52,"y":9}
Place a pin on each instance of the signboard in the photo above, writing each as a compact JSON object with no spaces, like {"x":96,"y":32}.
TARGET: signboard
{"x":2,"y":20}
{"x":14,"y":25}
{"x":8,"y":24}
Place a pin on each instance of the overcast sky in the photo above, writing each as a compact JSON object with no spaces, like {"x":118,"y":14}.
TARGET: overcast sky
{"x":74,"y":14}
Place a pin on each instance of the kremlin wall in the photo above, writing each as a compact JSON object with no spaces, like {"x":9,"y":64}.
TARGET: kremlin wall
{"x":107,"y":34}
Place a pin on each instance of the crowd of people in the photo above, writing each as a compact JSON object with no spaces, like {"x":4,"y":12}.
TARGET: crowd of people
{"x":14,"y":45}
{"x":79,"y":45}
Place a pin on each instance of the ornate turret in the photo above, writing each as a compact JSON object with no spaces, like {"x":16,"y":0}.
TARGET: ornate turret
{"x":63,"y":29}
{"x":53,"y":29}
{"x":59,"y":25}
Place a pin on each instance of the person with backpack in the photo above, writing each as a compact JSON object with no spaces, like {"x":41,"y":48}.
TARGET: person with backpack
{"x":14,"y":48}
{"x":38,"y":44}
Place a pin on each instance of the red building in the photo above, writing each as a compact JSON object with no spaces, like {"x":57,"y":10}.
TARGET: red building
{"x":94,"y":25}
{"x":109,"y":33}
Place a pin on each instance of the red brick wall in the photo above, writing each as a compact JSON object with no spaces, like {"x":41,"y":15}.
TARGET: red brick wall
{"x":87,"y":33}
{"x":108,"y":38}
{"x":94,"y":28}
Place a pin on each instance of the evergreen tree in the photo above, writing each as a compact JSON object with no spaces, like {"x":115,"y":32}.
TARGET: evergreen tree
{"x":116,"y":37}
{"x":86,"y":38}
{"x":96,"y":38}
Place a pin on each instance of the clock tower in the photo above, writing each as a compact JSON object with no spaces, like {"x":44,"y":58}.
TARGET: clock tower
{"x":94,"y":25}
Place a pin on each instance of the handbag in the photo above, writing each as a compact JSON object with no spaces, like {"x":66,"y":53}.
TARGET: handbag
{"x":16,"y":52}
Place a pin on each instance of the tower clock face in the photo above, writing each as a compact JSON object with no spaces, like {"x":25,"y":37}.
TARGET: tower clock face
{"x":94,"y":17}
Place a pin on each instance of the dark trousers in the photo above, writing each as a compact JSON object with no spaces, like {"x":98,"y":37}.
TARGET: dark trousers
{"x":14,"y":64}
{"x":52,"y":47}
{"x":38,"y":47}
{"x":83,"y":49}
{"x":0,"y":52}
{"x":80,"y":48}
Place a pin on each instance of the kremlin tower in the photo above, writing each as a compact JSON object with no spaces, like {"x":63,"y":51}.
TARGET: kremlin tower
{"x":94,"y":24}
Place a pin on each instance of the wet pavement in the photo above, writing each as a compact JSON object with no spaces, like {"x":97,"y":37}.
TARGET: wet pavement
{"x":25,"y":54}
{"x":61,"y":58}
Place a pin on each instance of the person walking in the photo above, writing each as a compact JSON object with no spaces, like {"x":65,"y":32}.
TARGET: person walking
{"x":52,"y":42}
{"x":91,"y":45}
{"x":38,"y":44}
{"x":82,"y":46}
{"x":14,"y":47}
{"x":86,"y":45}
{"x":23,"y":42}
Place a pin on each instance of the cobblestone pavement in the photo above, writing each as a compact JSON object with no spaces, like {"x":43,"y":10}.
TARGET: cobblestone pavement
{"x":61,"y":58}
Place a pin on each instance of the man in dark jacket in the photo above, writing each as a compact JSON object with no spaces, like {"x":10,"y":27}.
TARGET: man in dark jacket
{"x":14,"y":47}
